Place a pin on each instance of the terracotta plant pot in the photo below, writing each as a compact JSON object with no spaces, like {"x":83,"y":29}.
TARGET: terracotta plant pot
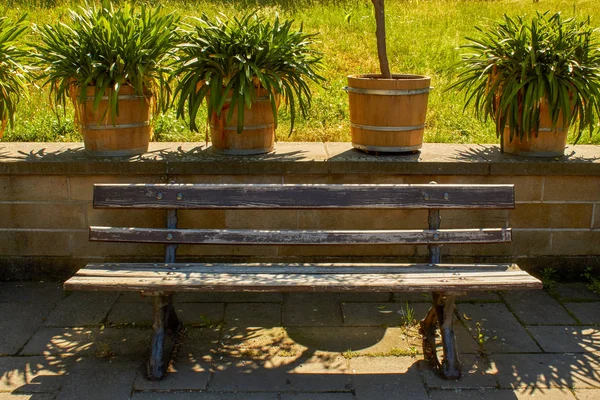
{"x":129,"y":133}
{"x":547,"y":142}
{"x":257,"y":136}
{"x":388,"y":115}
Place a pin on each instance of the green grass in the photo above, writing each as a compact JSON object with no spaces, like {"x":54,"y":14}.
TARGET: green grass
{"x":423,"y":37}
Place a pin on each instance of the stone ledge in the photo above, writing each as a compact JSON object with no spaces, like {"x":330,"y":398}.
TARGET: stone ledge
{"x":292,"y":158}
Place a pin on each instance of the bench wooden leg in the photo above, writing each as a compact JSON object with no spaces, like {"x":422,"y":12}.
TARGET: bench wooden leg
{"x":165,"y":322}
{"x":441,"y":313}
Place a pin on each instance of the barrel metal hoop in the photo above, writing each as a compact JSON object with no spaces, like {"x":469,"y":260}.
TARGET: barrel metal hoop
{"x":121,"y":126}
{"x":387,"y":149}
{"x":246,"y":127}
{"x":120,"y":97}
{"x":388,"y":128}
{"x":384,"y":92}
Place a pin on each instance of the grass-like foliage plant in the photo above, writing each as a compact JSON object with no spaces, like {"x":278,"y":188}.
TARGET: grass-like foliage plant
{"x":518,"y":64}
{"x":108,"y":47}
{"x":13,"y":71}
{"x":228,"y":60}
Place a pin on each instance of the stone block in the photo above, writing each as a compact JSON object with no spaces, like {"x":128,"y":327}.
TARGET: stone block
{"x":525,"y":243}
{"x":586,"y":313}
{"x":342,"y":179}
{"x":372,"y":250}
{"x":527,"y":188}
{"x":320,"y":373}
{"x":126,"y":218}
{"x":537,"y":372}
{"x":575,"y":243}
{"x":596,"y":221}
{"x":32,"y":374}
{"x":553,"y":216}
{"x":496,"y":323}
{"x":224,"y":297}
{"x":390,"y":377}
{"x":82,"y":309}
{"x":33,"y":188}
{"x":82,"y":186}
{"x":100,"y":379}
{"x":468,"y":219}
{"x":204,"y":396}
{"x":82,"y":247}
{"x":264,"y":315}
{"x":362,"y":219}
{"x":207,"y":250}
{"x":43,"y":216}
{"x":229,"y":179}
{"x":536,"y":307}
{"x":571,"y":188}
{"x":318,"y":396}
{"x":311,"y":309}
{"x":476,"y":372}
{"x":18,"y":323}
{"x":201,"y":219}
{"x":35,"y":243}
{"x":261,"y":219}
{"x":566,"y":339}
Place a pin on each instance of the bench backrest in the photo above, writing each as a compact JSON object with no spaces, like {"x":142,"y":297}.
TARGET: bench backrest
{"x":172,"y":197}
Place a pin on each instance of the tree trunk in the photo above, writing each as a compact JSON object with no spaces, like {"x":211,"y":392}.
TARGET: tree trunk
{"x":384,"y":66}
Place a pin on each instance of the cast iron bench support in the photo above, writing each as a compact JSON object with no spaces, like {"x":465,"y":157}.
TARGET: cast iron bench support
{"x":444,"y":281}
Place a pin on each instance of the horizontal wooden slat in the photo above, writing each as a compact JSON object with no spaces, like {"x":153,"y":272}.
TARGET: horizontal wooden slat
{"x":188,"y":196}
{"x":297,"y":237}
{"x":296,"y":278}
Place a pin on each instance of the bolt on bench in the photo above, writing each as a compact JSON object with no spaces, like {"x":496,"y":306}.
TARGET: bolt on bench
{"x":445,"y":281}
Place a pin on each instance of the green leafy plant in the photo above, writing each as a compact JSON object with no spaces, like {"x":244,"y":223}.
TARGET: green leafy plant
{"x":108,"y":47}
{"x":408,"y":315}
{"x":518,"y":64}
{"x":13,"y":72}
{"x":549,"y":280}
{"x":594,"y":282}
{"x":229,"y":60}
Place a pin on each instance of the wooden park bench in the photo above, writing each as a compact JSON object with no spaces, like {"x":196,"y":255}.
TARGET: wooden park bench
{"x":445,"y":281}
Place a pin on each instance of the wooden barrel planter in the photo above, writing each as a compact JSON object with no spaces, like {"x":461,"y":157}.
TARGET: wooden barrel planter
{"x":388,"y":115}
{"x":127,"y":135}
{"x":257,"y":136}
{"x":549,"y":141}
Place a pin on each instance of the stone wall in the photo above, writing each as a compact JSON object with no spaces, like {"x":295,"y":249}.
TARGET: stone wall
{"x":46,"y":193}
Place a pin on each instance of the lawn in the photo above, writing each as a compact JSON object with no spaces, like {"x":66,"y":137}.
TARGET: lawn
{"x":423,"y":38}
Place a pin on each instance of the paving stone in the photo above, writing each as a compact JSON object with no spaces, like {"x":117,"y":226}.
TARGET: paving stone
{"x":199,"y":344}
{"x":392,"y":377}
{"x":141,"y":314}
{"x":361,"y":340}
{"x":476,"y":373}
{"x":544,"y":371}
{"x":31,"y":292}
{"x":311,"y":309}
{"x":37,"y":396}
{"x":18,"y":323}
{"x":318,"y":396}
{"x":575,"y":291}
{"x":320,"y":373}
{"x":537,"y":307}
{"x":32,"y":374}
{"x":497,"y":323}
{"x":567,"y":339}
{"x":207,"y":297}
{"x":182,"y":375}
{"x":82,"y":309}
{"x":259,"y":343}
{"x":264,"y":315}
{"x":586,"y":313}
{"x":89,"y":341}
{"x":205,"y":396}
{"x":382,"y":314}
{"x":487,"y":394}
{"x":587,"y":394}
{"x":100,"y":379}
{"x":479,"y":297}
{"x":416,"y":297}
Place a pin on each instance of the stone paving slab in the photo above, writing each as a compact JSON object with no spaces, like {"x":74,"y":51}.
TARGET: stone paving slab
{"x":182,"y":375}
{"x":391,"y":377}
{"x":205,"y":396}
{"x":322,"y":373}
{"x":100,"y":379}
{"x":382,"y":314}
{"x":191,"y":297}
{"x":18,"y":323}
{"x":505,"y":333}
{"x":138,"y":313}
{"x":587,"y":394}
{"x":567,"y":339}
{"x":199,"y":343}
{"x":320,"y":396}
{"x":311,"y":309}
{"x":82,"y":309}
{"x":575,"y":291}
{"x":535,"y":307}
{"x":472,"y":394}
{"x":545,"y":371}
{"x":586,"y":313}
{"x":476,"y":373}
{"x":264,"y":315}
{"x":32,"y":374}
{"x":37,"y":396}
{"x":89,"y":342}
{"x":28,"y":292}
{"x":259,"y":343}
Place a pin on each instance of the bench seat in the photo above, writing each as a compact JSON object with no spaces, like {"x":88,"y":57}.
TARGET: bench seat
{"x":279,"y":277}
